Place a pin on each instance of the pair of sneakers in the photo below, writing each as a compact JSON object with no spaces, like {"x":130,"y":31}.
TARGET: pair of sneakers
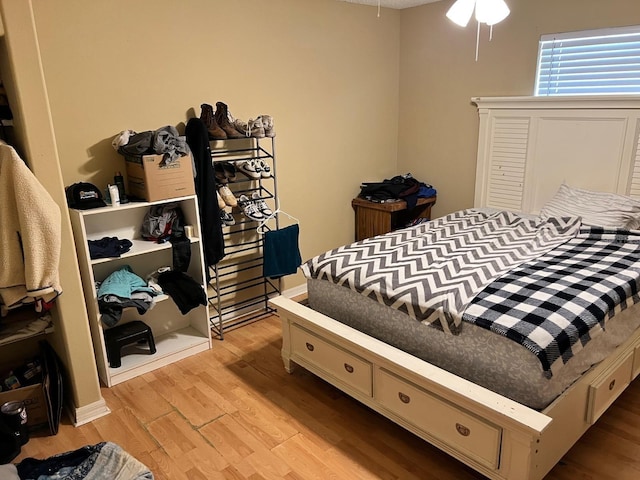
{"x":255,"y":168}
{"x":226,"y":197}
{"x":252,"y":128}
{"x":267,"y":124}
{"x":225,"y":172}
{"x":261,"y":127}
{"x":226,"y":218}
{"x":254,"y":208}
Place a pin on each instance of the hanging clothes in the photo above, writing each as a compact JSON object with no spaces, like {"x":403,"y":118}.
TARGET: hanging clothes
{"x":30,"y":237}
{"x":213,"y":240}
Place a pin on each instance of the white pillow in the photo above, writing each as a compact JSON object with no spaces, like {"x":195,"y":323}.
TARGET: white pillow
{"x":595,"y":208}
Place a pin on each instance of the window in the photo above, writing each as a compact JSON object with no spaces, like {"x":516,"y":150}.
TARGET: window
{"x":592,"y":62}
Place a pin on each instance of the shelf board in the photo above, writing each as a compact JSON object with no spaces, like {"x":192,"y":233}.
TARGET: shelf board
{"x":170,"y":347}
{"x":139,"y":247}
{"x":23,"y":324}
{"x":129,"y":206}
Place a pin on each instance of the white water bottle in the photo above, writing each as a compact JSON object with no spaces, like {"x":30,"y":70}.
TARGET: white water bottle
{"x":114,"y":194}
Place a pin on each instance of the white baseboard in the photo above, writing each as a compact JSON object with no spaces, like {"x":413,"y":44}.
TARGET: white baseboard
{"x":88,"y":413}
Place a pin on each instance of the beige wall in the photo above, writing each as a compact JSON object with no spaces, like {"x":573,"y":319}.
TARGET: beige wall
{"x":327,"y":71}
{"x":438,"y":76}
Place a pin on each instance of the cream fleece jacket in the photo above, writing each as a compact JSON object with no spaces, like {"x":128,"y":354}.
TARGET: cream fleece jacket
{"x":29,"y":235}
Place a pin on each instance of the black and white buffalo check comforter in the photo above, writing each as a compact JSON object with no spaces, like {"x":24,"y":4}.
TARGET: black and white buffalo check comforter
{"x":547,"y":284}
{"x":555,"y":304}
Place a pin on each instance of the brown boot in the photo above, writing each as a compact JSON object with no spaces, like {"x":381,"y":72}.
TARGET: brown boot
{"x":209,"y":120}
{"x":222,"y":118}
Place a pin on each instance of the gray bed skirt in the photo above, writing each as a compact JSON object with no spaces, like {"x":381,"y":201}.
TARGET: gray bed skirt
{"x":478,"y":355}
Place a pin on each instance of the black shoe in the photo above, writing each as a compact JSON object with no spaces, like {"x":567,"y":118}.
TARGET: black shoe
{"x":221,"y":176}
{"x":229,"y":171}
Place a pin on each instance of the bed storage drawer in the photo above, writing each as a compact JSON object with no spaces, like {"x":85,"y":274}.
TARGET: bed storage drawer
{"x":458,"y":429}
{"x":607,"y":387}
{"x":343,"y":365}
{"x":636,"y":363}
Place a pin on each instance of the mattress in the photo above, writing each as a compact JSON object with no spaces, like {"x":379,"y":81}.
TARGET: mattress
{"x":476,"y":354}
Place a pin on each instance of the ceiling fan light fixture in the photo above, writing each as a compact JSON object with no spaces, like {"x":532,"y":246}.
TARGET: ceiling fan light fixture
{"x":491,"y":11}
{"x":461,"y":11}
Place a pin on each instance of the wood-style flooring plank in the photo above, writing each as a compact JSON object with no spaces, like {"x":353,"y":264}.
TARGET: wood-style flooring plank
{"x":190,"y":396}
{"x":234,"y":413}
{"x":299,"y":455}
{"x":141,"y":398}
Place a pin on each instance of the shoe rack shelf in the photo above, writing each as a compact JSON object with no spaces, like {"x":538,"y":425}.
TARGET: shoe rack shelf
{"x":238,"y":292}
{"x":176,"y":335}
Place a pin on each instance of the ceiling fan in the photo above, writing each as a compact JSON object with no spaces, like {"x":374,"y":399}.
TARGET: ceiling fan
{"x":489,"y":12}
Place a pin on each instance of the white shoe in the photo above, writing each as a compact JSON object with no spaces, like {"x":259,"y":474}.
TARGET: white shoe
{"x":221,"y":203}
{"x":261,"y":205}
{"x":256,"y":128}
{"x":242,"y":127}
{"x":252,"y":128}
{"x":226,"y":218}
{"x":267,"y":124}
{"x":264,"y":167}
{"x":250,"y":169}
{"x":249,"y":208}
{"x":227,"y":196}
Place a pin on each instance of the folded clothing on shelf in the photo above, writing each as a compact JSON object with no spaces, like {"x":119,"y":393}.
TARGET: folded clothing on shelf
{"x":123,"y":289}
{"x":108,"y":247}
{"x":183,"y":289}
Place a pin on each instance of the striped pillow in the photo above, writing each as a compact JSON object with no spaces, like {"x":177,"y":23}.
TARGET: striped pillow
{"x":595,"y":208}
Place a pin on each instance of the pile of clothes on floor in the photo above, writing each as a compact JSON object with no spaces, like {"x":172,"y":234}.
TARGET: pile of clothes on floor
{"x":92,"y":462}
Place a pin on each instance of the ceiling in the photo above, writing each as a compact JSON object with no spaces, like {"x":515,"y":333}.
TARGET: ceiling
{"x":398,"y":4}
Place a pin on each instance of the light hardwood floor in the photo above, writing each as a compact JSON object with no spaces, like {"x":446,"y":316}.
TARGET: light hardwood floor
{"x":234,"y":413}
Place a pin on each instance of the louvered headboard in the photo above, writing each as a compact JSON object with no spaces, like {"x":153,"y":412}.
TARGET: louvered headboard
{"x":527,"y":146}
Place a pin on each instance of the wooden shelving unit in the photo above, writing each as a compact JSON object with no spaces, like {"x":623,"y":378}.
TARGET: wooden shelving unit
{"x":176,"y":335}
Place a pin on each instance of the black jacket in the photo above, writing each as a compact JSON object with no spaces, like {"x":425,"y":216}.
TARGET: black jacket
{"x":210,"y":223}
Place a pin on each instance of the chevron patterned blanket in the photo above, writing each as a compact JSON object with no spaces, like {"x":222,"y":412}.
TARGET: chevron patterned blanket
{"x":570,"y":293}
{"x":433,"y":270}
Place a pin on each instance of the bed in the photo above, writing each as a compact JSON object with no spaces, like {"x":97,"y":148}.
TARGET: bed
{"x":518,"y":422}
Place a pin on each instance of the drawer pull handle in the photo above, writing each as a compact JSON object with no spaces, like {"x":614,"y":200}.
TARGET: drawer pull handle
{"x":462,"y":430}
{"x":404,"y":398}
{"x":612,"y":384}
{"x":310,"y":347}
{"x":348,"y":368}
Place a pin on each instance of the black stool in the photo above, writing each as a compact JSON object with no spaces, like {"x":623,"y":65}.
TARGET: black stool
{"x":126,"y":334}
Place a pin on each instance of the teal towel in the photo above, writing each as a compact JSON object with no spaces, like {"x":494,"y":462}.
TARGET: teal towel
{"x":281,"y":252}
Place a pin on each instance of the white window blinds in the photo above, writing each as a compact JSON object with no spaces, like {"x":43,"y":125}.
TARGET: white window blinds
{"x":593,"y":62}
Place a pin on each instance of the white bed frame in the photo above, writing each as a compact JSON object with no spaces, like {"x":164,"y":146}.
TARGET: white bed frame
{"x":526,"y":148}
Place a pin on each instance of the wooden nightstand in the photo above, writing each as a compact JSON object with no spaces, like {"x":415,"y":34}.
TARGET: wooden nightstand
{"x":377,"y":218}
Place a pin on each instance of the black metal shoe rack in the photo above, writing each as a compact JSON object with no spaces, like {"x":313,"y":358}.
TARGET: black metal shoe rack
{"x":238,"y":292}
